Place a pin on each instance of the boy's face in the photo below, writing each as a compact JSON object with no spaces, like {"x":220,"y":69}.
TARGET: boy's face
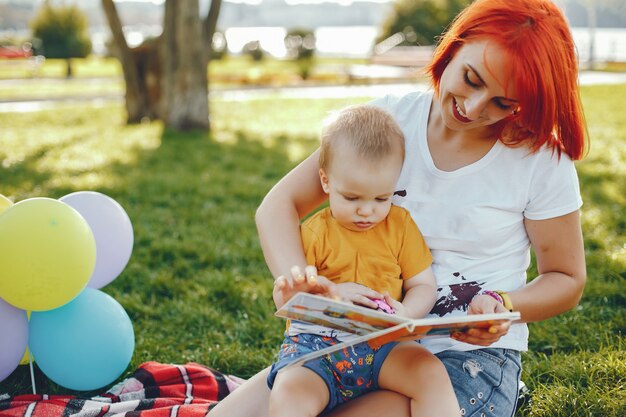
{"x":360,"y":191}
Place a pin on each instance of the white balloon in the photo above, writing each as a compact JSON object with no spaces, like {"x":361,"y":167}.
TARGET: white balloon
{"x":14,"y":331}
{"x":112,"y":230}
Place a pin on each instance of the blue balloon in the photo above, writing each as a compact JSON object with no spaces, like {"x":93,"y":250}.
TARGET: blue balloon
{"x":84,"y":344}
{"x":14,"y":331}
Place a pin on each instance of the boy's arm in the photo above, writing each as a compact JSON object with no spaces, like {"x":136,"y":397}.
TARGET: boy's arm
{"x":420,"y":294}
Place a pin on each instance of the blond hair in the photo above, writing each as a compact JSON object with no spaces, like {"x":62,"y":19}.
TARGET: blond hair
{"x":369,"y":130}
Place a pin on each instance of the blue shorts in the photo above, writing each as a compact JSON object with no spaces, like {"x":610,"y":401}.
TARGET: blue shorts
{"x":485,"y":380}
{"x":348,"y":373}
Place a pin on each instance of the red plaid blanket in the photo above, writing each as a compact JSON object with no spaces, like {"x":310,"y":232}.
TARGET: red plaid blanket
{"x":154,"y":390}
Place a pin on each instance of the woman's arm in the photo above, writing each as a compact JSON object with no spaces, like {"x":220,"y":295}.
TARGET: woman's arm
{"x":560,"y":254}
{"x":278,"y":216}
{"x":278,"y":224}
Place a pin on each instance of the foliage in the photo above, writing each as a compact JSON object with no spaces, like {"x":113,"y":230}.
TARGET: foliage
{"x":219,"y":45}
{"x":300,"y":45}
{"x":62,"y":31}
{"x":420,"y":22}
{"x":197,"y":288}
{"x":253,"y":50}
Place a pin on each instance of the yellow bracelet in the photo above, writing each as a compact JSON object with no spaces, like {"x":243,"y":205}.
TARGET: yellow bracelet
{"x":506,"y":300}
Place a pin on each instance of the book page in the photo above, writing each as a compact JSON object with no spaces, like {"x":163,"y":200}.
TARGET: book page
{"x":375,"y":327}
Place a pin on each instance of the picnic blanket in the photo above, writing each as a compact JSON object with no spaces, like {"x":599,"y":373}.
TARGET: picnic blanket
{"x":154,"y":390}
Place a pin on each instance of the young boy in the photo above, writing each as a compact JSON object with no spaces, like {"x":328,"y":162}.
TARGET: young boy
{"x":361,"y":238}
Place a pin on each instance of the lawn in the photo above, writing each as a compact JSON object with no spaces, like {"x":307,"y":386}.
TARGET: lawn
{"x":196,"y":287}
{"x":20,"y":80}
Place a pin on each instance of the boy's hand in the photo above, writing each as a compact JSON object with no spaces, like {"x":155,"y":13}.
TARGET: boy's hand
{"x":357,"y":294}
{"x":396,"y":305}
{"x":286,"y":287}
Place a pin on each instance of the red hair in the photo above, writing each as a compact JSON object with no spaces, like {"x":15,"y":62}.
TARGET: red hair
{"x":542,"y":65}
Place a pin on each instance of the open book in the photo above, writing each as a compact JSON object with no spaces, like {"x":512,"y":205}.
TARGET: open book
{"x":375,"y":327}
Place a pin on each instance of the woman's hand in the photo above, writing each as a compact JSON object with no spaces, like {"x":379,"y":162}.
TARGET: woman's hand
{"x":286,"y":287}
{"x":484,"y":304}
{"x":357,"y":294}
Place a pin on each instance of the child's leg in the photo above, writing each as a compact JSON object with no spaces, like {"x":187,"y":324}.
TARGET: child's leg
{"x":298,"y":391}
{"x":413,"y":371}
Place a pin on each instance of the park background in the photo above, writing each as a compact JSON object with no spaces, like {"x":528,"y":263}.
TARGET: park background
{"x":196,"y":287}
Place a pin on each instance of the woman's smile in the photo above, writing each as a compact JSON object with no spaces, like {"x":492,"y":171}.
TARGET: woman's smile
{"x":458,"y":113}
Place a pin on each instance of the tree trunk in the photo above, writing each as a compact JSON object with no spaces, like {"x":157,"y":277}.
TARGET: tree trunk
{"x":209,"y":25}
{"x":185,"y":102}
{"x":68,"y":68}
{"x":137,"y":107}
{"x":166,"y":78}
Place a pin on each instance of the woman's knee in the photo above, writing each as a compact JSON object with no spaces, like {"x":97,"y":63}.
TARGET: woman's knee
{"x":300,"y":388}
{"x":249,"y":400}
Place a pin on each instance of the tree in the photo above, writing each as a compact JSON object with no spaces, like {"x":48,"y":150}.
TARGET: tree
{"x":420,"y":22}
{"x":62,"y":32}
{"x":219,"y":46}
{"x":300,"y":45}
{"x":254,"y":50}
{"x":166,"y":78}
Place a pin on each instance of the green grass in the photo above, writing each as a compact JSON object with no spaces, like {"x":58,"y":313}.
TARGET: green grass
{"x":197,"y":288}
{"x":39,"y":88}
{"x":95,"y":66}
{"x":96,"y":76}
{"x":56,"y":68}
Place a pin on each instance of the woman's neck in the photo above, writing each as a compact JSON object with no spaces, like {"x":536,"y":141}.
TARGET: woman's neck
{"x":453,"y":149}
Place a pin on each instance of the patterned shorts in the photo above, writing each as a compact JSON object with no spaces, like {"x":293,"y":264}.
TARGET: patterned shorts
{"x":348,"y":373}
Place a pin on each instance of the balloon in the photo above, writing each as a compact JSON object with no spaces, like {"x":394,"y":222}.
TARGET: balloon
{"x":48,"y":254}
{"x":26,"y":358}
{"x":85,"y":344}
{"x":14,"y":331}
{"x":112,"y":230}
{"x":5,"y":203}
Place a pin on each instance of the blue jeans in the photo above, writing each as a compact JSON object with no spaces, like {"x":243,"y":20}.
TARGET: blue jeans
{"x":485,"y":380}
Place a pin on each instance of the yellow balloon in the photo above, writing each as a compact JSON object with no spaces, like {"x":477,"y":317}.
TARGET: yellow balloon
{"x":5,"y":203}
{"x":48,"y":254}
{"x":25,"y":360}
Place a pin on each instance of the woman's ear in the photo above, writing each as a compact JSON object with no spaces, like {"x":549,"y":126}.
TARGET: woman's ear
{"x":324,"y":181}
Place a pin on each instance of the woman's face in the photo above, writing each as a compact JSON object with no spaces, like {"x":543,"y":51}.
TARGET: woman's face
{"x":472,"y":92}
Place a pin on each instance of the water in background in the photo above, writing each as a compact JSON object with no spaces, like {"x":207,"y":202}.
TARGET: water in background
{"x":357,"y":41}
{"x":346,"y":41}
{"x":609,"y":45}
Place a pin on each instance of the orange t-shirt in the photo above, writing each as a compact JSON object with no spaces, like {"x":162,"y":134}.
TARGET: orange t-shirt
{"x":379,"y":258}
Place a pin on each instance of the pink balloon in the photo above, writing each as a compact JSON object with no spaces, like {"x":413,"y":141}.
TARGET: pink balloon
{"x":14,"y":331}
{"x":112,"y":230}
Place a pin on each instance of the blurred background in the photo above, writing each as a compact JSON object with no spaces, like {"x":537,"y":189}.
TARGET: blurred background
{"x":187,"y":112}
{"x":110,"y":49}
{"x":345,"y":28}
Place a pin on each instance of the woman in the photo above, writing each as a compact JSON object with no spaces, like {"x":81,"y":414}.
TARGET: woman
{"x":488,"y":174}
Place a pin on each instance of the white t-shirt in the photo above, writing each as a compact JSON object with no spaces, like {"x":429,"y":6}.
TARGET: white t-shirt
{"x":472,"y":218}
